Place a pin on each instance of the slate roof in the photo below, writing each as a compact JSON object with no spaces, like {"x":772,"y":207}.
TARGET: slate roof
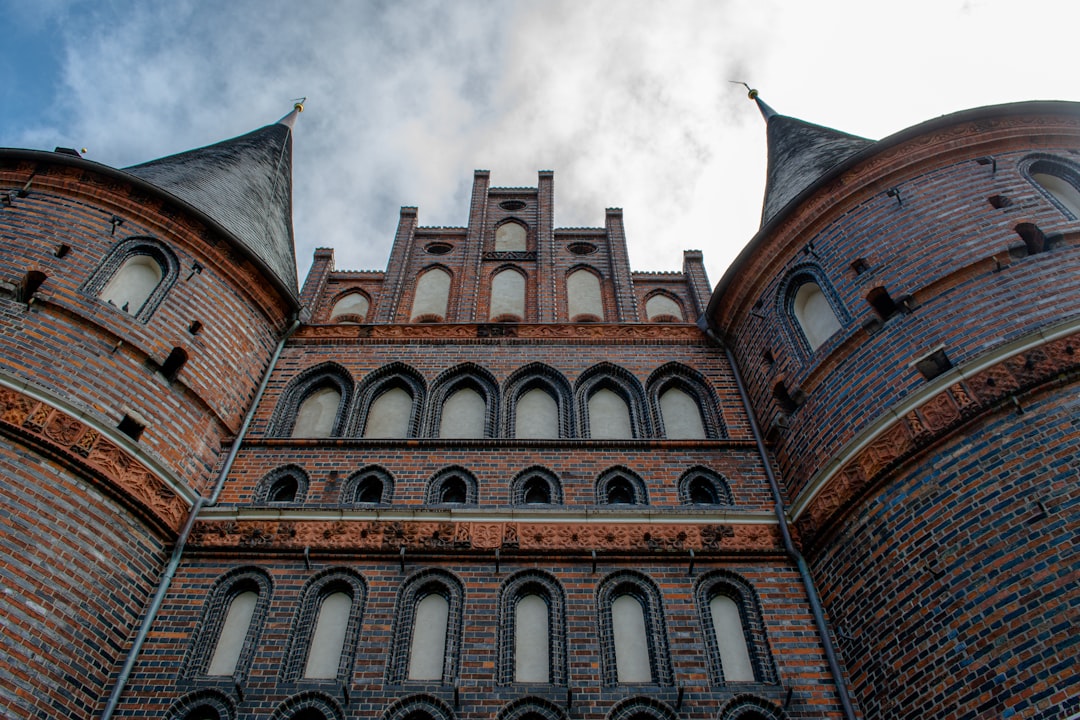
{"x":244,"y":184}
{"x":799,"y":154}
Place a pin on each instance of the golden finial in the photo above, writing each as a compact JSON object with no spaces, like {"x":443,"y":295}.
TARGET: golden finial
{"x":298,"y":104}
{"x":84,"y":151}
{"x":750,"y":92}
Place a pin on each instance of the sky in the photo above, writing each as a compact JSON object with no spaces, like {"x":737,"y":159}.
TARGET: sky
{"x":629,"y":102}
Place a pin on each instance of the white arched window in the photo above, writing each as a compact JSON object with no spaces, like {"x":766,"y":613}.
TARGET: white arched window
{"x":233,"y":633}
{"x":730,"y":639}
{"x":507,"y":294}
{"x":463,"y":415}
{"x":429,"y":638}
{"x":814,"y":314}
{"x":1061,"y":189}
{"x":682,"y":416}
{"x":510,"y":237}
{"x":351,"y":308}
{"x":328,"y":638}
{"x":432,"y":295}
{"x":316,"y":416}
{"x":662,"y":305}
{"x":609,"y":416}
{"x":390,"y":415}
{"x":631,"y":640}
{"x":532,"y":650}
{"x":583,"y":295}
{"x":536,"y":415}
{"x":133,"y":283}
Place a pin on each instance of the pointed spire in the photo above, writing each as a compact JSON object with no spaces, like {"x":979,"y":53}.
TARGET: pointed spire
{"x":289,"y":120}
{"x":799,"y":154}
{"x":245,"y":185}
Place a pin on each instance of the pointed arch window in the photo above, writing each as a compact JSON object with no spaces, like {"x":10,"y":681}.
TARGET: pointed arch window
{"x":619,"y":486}
{"x":536,"y":486}
{"x":371,"y":486}
{"x":814,"y":314}
{"x":532,"y":629}
{"x":464,"y":400}
{"x":318,"y":414}
{"x":432,"y":296}
{"x":632,"y":631}
{"x":611,"y":404}
{"x":538,"y":403}
{"x":701,"y":486}
{"x":427,"y":630}
{"x":390,"y":414}
{"x":584,"y":298}
{"x":352,"y":307}
{"x":681,"y":415}
{"x":135,"y":276}
{"x":452,"y":486}
{"x":661,"y":307}
{"x":232,"y":621}
{"x":511,"y":237}
{"x":609,"y":416}
{"x":536,"y":415}
{"x":314,"y":404}
{"x":327,"y":627}
{"x":287,"y":484}
{"x":684,"y":403}
{"x":507,"y":295}
{"x":733,"y":629}
{"x":463,"y":415}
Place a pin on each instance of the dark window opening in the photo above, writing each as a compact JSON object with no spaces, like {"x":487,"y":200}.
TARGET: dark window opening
{"x":882,"y":303}
{"x":933,"y":364}
{"x":370,"y":490}
{"x":536,"y":492}
{"x":30,"y":285}
{"x":195,"y":327}
{"x":131,"y":427}
{"x":1034,"y":240}
{"x":454,"y":491}
{"x":999,"y":201}
{"x":283,"y":491}
{"x":61,"y":250}
{"x":702,"y":492}
{"x":783,"y":398}
{"x":767,"y":356}
{"x":620,"y":492}
{"x":859,"y":265}
{"x":172,"y":365}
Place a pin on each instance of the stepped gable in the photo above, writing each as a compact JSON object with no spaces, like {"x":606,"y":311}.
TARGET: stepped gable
{"x":245,"y":184}
{"x":799,"y":154}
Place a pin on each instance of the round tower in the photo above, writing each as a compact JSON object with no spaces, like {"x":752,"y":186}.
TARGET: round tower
{"x":141,"y":308}
{"x":907,"y":323}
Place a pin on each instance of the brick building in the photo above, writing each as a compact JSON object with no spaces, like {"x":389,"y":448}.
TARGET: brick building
{"x":510,"y":477}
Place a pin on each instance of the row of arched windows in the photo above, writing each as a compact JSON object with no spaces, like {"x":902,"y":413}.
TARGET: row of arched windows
{"x":532,"y":643}
{"x":536,"y":402}
{"x":374,"y":485}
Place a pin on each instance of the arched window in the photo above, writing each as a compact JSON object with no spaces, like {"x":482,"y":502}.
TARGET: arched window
{"x":661,"y":306}
{"x":370,"y":486}
{"x":432,"y":296}
{"x":511,"y":237}
{"x":642,"y":708}
{"x":609,"y":416}
{"x":610,"y":402}
{"x":536,"y":486}
{"x":733,"y":629}
{"x":701,"y":486}
{"x":206,"y":704}
{"x":390,"y":414}
{"x":584,"y":299}
{"x":532,"y":629}
{"x":427,"y":630}
{"x":286,"y":484}
{"x":681,"y":415}
{"x":227,"y":635}
{"x":1059,"y":180}
{"x":748,"y":707}
{"x":135,"y":276}
{"x":620,"y":486}
{"x":314,"y":405}
{"x":327,"y":626}
{"x":390,"y":398}
{"x":464,"y":400}
{"x":309,"y":705}
{"x":633,"y":638}
{"x":538,"y":403}
{"x":815,"y":316}
{"x":452,"y":486}
{"x":419,"y":707}
{"x":507,"y":295}
{"x":532,"y":708}
{"x":350,"y":308}
{"x":684,"y":403}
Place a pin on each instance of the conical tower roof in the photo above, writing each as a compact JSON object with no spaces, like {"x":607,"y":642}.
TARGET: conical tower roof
{"x":245,"y":185}
{"x":799,"y":154}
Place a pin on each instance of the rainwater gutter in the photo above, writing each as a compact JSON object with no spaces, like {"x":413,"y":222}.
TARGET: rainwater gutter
{"x":185,"y":533}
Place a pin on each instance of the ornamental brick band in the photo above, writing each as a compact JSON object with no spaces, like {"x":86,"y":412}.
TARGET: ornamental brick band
{"x":557,"y":331}
{"x":529,"y":537}
{"x":73,"y":442}
{"x":944,"y":413}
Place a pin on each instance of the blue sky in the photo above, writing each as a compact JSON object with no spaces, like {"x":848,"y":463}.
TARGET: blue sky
{"x":628,"y":101}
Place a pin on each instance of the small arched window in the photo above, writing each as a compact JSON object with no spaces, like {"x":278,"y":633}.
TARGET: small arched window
{"x":287,"y":484}
{"x":632,"y":632}
{"x":284,"y":490}
{"x":733,"y":629}
{"x":432,"y":295}
{"x":205,"y":704}
{"x":328,"y":638}
{"x":532,"y":633}
{"x":619,"y":486}
{"x":507,"y":295}
{"x":133,"y":283}
{"x":1060,"y":181}
{"x":452,"y":486}
{"x":318,"y":414}
{"x":427,"y":628}
{"x":510,"y":237}
{"x":324,"y":638}
{"x":609,"y":416}
{"x":232,"y":620}
{"x":350,"y":308}
{"x":370,"y":486}
{"x":536,"y":486}
{"x":390,"y":415}
{"x":814,"y":314}
{"x":135,"y":276}
{"x":663,"y":307}
{"x":701,"y":486}
{"x":584,"y":298}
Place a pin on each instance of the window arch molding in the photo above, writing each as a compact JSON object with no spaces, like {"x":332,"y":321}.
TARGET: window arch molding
{"x":315,"y":591}
{"x":361,"y":483}
{"x":468,"y":376}
{"x":128,"y":249}
{"x":690,"y":494}
{"x":526,"y":482}
{"x":415,"y":707}
{"x":197,"y":704}
{"x":546,"y":586}
{"x":750,"y":707}
{"x":645,"y":591}
{"x":304,"y":705}
{"x":531,"y":706}
{"x":439,"y":485}
{"x":324,"y":375}
{"x":733,"y":586}
{"x":675,"y":375}
{"x":270,"y":484}
{"x":415,"y":588}
{"x":795,"y":279}
{"x":388,"y":377}
{"x":538,"y":376}
{"x":618,"y":480}
{"x":606,"y":376}
{"x":666,"y":317}
{"x":220,"y":597}
{"x":634,"y":708}
{"x":1057,"y":167}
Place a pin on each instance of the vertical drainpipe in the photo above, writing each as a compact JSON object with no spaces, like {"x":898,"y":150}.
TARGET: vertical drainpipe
{"x":185,"y":533}
{"x":789,"y":546}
